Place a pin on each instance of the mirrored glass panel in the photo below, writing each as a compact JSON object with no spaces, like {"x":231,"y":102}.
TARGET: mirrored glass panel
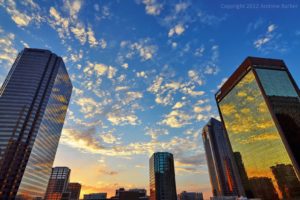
{"x":263,"y":162}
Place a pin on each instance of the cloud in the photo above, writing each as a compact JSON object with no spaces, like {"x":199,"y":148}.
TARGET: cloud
{"x":8,"y":51}
{"x":270,"y":41}
{"x":109,"y":138}
{"x":152,"y":7}
{"x":154,"y":133}
{"x":177,"y":119}
{"x":222,"y":82}
{"x":100,"y":69}
{"x":89,"y":107}
{"x":121,"y":119}
{"x":108,"y":172}
{"x":80,"y":32}
{"x":21,"y":18}
{"x":85,"y":140}
{"x":271,"y":28}
{"x":73,"y":6}
{"x":178,"y":30}
{"x":182,"y":6}
{"x":59,"y":23}
{"x":93,"y":41}
{"x":178,"y":105}
{"x":199,"y":51}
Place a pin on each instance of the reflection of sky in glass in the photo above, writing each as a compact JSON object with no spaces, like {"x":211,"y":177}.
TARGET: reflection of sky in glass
{"x":40,"y":163}
{"x":276,"y":83}
{"x":251,"y":129}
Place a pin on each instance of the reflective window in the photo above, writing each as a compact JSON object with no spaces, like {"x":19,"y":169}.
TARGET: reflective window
{"x":276,"y":83}
{"x":258,"y":148}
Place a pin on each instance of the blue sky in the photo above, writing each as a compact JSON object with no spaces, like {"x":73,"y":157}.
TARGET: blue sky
{"x":144,"y":74}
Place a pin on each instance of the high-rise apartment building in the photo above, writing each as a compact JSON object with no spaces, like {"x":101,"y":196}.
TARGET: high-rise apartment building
{"x":224,"y":176}
{"x":34,"y":100}
{"x":162,"y":177}
{"x":260,"y":108}
{"x":58,"y":183}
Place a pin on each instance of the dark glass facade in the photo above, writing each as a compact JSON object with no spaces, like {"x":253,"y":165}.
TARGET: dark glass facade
{"x":58,"y":183}
{"x":223,"y":172}
{"x":74,"y":190}
{"x":33,"y":104}
{"x":162,"y":177}
{"x":190,"y":196}
{"x":260,"y":108}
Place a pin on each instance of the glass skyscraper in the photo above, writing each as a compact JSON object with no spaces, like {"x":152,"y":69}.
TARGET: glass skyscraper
{"x":58,"y":183}
{"x":162,"y":177}
{"x":223,"y":172}
{"x":34,"y":100}
{"x":260,"y":108}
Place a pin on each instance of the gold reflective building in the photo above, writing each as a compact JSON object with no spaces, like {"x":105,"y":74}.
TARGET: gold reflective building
{"x":260,"y":108}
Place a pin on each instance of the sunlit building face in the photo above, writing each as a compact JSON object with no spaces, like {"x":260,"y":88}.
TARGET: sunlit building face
{"x":260,"y":108}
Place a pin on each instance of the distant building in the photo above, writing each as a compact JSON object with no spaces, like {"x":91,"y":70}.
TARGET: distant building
{"x":259,"y":105}
{"x":287,"y":181}
{"x":132,"y":194}
{"x":162,"y":177}
{"x":95,"y":196}
{"x":223,"y":172}
{"x":74,"y":190}
{"x":58,"y":183}
{"x":190,"y":196}
{"x":34,"y":100}
{"x":263,"y":188}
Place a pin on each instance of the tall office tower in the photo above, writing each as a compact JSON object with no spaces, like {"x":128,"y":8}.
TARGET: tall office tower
{"x":260,"y":108}
{"x":162,"y":177}
{"x":224,"y":176}
{"x":74,"y":190}
{"x":58,"y":183}
{"x":33,"y":103}
{"x":190,"y":196}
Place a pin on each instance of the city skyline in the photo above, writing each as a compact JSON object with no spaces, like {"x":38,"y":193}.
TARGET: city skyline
{"x":145,"y":73}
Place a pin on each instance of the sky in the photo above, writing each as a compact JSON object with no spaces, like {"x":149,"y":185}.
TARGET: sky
{"x":144,"y":76}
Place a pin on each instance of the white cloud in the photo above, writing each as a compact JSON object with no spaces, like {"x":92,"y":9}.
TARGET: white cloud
{"x":60,"y":24}
{"x":199,"y":51}
{"x":88,"y":106}
{"x":178,"y":105}
{"x":80,"y":32}
{"x":109,"y":138}
{"x":178,"y":30}
{"x":177,"y":119}
{"x":152,"y":7}
{"x":100,"y":69}
{"x":73,"y":6}
{"x":125,"y":65}
{"x":20,"y":18}
{"x":141,"y":74}
{"x":222,"y":82}
{"x":271,"y":28}
{"x":270,"y":41}
{"x":154,"y":133}
{"x":93,"y":41}
{"x":8,"y":51}
{"x":118,"y":118}
{"x":182,"y":6}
